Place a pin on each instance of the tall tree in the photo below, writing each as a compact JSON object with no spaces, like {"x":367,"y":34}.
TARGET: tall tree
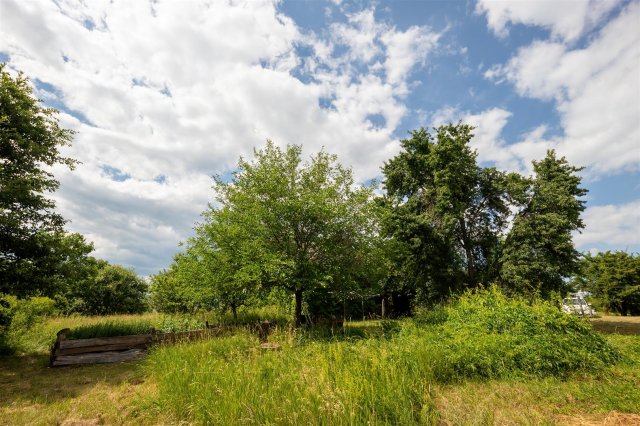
{"x":285,"y":223}
{"x":30,"y":138}
{"x":539,"y":253}
{"x":446,"y":209}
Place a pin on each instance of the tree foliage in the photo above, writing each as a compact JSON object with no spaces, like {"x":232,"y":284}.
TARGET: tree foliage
{"x":613,"y":278}
{"x":447,"y":211}
{"x":282,"y":223}
{"x":113,"y":289}
{"x":539,"y":254}
{"x":31,"y":234}
{"x":443,"y":226}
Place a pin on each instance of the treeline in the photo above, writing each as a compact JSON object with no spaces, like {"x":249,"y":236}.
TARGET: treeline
{"x":613,"y":279}
{"x":303,"y":233}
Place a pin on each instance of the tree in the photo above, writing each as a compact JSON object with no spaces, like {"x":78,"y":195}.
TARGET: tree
{"x":30,"y":138}
{"x":613,"y":278}
{"x":447,"y":211}
{"x":539,"y":254}
{"x":169,"y":294}
{"x":115,"y":290}
{"x":282,"y":223}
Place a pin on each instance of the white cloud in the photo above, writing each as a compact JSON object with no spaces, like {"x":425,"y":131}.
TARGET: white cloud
{"x":595,"y":90}
{"x":405,"y":50}
{"x":611,"y":225}
{"x":489,"y":143}
{"x":173,"y":92}
{"x":567,"y":20}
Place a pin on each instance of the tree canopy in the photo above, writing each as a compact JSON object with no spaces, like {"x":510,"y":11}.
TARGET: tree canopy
{"x":281,"y":222}
{"x":539,"y":254}
{"x":613,"y":278}
{"x":445,"y":224}
{"x":448,"y":211}
{"x":31,"y":231}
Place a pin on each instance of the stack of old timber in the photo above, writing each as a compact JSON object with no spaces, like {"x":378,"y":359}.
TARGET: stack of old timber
{"x":118,"y":348}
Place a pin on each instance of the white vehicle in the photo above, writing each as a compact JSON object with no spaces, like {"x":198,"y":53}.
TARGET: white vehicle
{"x":577,"y":305}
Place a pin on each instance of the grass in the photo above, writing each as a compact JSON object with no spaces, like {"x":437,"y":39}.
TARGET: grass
{"x":395,"y":372}
{"x":388,"y":376}
{"x":38,"y":338}
{"x":617,"y":324}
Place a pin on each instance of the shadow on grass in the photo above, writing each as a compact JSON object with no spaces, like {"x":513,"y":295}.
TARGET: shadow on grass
{"x":28,"y":379}
{"x":351,"y":331}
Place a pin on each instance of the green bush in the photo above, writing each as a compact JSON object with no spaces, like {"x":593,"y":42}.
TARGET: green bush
{"x":436,"y":316}
{"x":487,"y":334}
{"x":19,"y":318}
{"x":29,"y":312}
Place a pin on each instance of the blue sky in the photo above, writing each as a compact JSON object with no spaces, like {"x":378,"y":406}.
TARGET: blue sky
{"x":164,"y":94}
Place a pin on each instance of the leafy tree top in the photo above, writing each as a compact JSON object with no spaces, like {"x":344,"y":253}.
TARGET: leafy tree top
{"x":30,"y":141}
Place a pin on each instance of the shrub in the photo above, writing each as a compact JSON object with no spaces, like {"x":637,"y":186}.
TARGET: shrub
{"x":20,"y":316}
{"x":487,"y":334}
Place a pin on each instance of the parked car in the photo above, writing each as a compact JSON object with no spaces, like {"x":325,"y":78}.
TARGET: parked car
{"x":577,"y":306}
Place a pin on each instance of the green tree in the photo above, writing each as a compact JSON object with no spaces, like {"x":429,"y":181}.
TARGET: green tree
{"x":169,"y":294}
{"x":613,"y":278}
{"x":114,"y":290}
{"x":447,"y":211}
{"x":30,"y":138}
{"x":539,"y":254}
{"x":288,"y":224}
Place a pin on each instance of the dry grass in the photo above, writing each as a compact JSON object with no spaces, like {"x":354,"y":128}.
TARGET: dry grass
{"x":33,"y":394}
{"x":609,"y":419}
{"x":617,"y":324}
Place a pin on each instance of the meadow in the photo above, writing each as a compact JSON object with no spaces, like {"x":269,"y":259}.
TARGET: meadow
{"x":486,"y":360}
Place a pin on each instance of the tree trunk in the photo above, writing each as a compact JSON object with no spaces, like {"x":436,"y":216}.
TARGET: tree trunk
{"x":234,"y":309}
{"x":384,"y":307}
{"x":298,"y":312}
{"x":471,"y":270}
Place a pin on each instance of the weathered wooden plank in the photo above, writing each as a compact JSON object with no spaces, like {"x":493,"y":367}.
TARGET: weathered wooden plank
{"x":60,"y":336}
{"x":99,"y":358}
{"x":117,"y":348}
{"x":102,"y":341}
{"x":101,"y":348}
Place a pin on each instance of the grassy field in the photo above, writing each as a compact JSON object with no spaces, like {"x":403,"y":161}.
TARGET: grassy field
{"x":378,"y":372}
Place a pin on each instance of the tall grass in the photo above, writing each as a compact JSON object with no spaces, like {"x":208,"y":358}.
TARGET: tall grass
{"x":229,"y":381}
{"x":39,"y":333}
{"x":386,"y":376}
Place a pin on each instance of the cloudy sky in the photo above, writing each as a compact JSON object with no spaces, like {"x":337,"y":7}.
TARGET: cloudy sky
{"x":165,"y":94}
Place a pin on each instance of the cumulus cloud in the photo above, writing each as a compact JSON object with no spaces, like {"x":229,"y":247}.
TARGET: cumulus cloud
{"x":615,"y":225}
{"x":491,"y":146}
{"x":566,"y":20}
{"x":595,"y":90}
{"x":165,"y":94}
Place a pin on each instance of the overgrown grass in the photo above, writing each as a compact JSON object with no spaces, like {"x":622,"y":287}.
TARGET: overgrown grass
{"x":386,"y":376}
{"x":109,"y":328}
{"x":37,"y":336}
{"x":486,"y":359}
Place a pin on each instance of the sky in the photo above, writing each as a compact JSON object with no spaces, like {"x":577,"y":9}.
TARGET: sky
{"x":165,"y":94}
